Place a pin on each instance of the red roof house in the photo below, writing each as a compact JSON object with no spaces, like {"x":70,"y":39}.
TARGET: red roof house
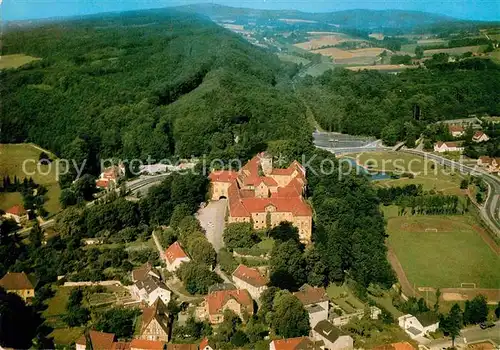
{"x":238,"y":300}
{"x":175,"y":256}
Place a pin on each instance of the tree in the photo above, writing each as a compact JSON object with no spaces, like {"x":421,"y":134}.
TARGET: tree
{"x":497,"y":310}
{"x":67,"y":198}
{"x":239,"y":235}
{"x":390,"y":135}
{"x":287,"y":266}
{"x":119,"y":321}
{"x":285,"y":231}
{"x":202,"y":251}
{"x":76,"y":314}
{"x":180,"y":212}
{"x":239,"y":339}
{"x":228,"y":327}
{"x":453,"y":323}
{"x":290,"y":319}
{"x":197,"y":277}
{"x":476,"y":310}
{"x":464,"y":184}
{"x":419,"y":52}
{"x":36,"y":236}
{"x":84,"y":187}
{"x":315,"y":267}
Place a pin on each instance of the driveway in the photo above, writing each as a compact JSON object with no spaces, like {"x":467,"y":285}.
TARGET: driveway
{"x":212,"y":218}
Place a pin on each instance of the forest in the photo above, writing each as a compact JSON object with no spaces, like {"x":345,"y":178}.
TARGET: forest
{"x":397,"y":107}
{"x":150,"y":83}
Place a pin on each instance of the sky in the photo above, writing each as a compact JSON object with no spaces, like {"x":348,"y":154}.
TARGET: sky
{"x":488,"y":10}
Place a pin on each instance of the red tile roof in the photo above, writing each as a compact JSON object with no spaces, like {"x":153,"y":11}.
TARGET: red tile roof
{"x":448,"y":144}
{"x":218,"y":299}
{"x":102,"y":183}
{"x":395,"y":346}
{"x":146,"y":344}
{"x":203,"y":343}
{"x":292,"y":343}
{"x":250,"y":275}
{"x":121,"y":345}
{"x":182,"y":347}
{"x":16,"y":210}
{"x":245,"y":206}
{"x":223,"y":176}
{"x":175,"y":252}
{"x":100,"y":340}
{"x":16,"y":281}
{"x":311,"y":295}
{"x":456,"y":128}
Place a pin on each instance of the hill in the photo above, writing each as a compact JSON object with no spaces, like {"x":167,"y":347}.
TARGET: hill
{"x":148,"y":83}
{"x":359,"y":19}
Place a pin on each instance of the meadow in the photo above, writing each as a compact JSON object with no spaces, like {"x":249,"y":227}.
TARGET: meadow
{"x":12,"y":157}
{"x":294,"y":59}
{"x":15,"y":61}
{"x":454,"y":50}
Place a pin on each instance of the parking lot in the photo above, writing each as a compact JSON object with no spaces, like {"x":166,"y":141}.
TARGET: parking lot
{"x":212,"y":219}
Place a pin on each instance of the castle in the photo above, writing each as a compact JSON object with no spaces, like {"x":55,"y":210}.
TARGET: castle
{"x":264,"y":195}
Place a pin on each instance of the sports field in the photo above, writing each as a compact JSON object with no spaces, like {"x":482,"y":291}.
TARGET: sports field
{"x":443,"y":251}
{"x":15,"y":61}
{"x":12,"y":157}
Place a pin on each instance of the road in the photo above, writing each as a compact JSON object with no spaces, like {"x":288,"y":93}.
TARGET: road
{"x":472,"y":334}
{"x":212,"y":218}
{"x":490,"y":211}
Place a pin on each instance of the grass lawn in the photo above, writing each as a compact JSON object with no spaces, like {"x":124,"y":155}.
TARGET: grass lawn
{"x":454,"y":254}
{"x":12,"y":157}
{"x":343,"y":297}
{"x":426,"y":172}
{"x":15,"y":61}
{"x":9,"y":199}
{"x":266,"y":244}
{"x":66,"y":336}
{"x":386,"y":302}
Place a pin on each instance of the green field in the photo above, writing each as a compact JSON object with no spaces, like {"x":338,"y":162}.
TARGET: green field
{"x":15,"y":61}
{"x":294,"y":59}
{"x":12,"y":157}
{"x":66,"y":336}
{"x":454,"y":50}
{"x":343,"y":297}
{"x":454,"y":254}
{"x":430,"y":175}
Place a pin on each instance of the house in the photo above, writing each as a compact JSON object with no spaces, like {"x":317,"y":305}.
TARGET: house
{"x":264,"y":195}
{"x":121,"y":345}
{"x":300,"y":343}
{"x":441,"y":147}
{"x":182,"y":347}
{"x":175,"y":256}
{"x":395,"y":346}
{"x":480,"y":136}
{"x":456,"y":130}
{"x":100,"y":341}
{"x":418,"y":326}
{"x":315,"y":301}
{"x":141,"y":344}
{"x":144,"y":271}
{"x":16,"y":213}
{"x":108,"y":179}
{"x":149,"y":289}
{"x":250,"y":279}
{"x":237,"y":300}
{"x":491,"y":165}
{"x":331,"y":336}
{"x":155,"y":322}
{"x":19,"y":283}
{"x":205,"y":344}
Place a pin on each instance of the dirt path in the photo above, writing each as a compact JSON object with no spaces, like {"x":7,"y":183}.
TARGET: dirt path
{"x":406,"y":286}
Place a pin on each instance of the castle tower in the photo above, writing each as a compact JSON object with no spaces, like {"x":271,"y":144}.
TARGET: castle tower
{"x":266,"y":163}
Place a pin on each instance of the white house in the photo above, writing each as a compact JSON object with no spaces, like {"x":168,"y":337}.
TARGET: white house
{"x":441,"y":147}
{"x":206,"y":345}
{"x":110,"y":176}
{"x":16,"y":213}
{"x":332,"y":337}
{"x":418,"y":326}
{"x":149,"y":289}
{"x":250,"y":279}
{"x":480,"y":136}
{"x":315,"y":301}
{"x":456,"y":130}
{"x":175,"y":256}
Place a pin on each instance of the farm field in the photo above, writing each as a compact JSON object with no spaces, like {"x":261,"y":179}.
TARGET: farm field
{"x":12,"y":157}
{"x":443,"y":251}
{"x":294,"y":59}
{"x":15,"y":61}
{"x":346,"y":54}
{"x":318,"y":69}
{"x":454,"y":50}
{"x":381,"y":67}
{"x":437,"y":178}
{"x":322,"y":40}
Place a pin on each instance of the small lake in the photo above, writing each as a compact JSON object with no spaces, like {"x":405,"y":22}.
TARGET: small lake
{"x":374,"y":175}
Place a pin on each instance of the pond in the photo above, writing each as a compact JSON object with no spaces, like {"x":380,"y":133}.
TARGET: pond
{"x":374,"y":175}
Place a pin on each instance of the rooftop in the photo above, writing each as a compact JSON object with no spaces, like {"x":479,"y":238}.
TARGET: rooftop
{"x":16,"y":281}
{"x":311,"y":295}
{"x":217,"y":300}
{"x":100,"y":340}
{"x":16,"y":210}
{"x":147,"y":344}
{"x":175,"y":252}
{"x":327,"y":330}
{"x":251,"y":276}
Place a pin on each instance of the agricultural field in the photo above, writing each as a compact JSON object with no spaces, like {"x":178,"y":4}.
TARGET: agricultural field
{"x":339,"y":54}
{"x":12,"y":157}
{"x":454,"y":50}
{"x":322,"y":40}
{"x":426,"y":172}
{"x":443,"y":251}
{"x":15,"y":61}
{"x":294,"y":59}
{"x":381,"y":67}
